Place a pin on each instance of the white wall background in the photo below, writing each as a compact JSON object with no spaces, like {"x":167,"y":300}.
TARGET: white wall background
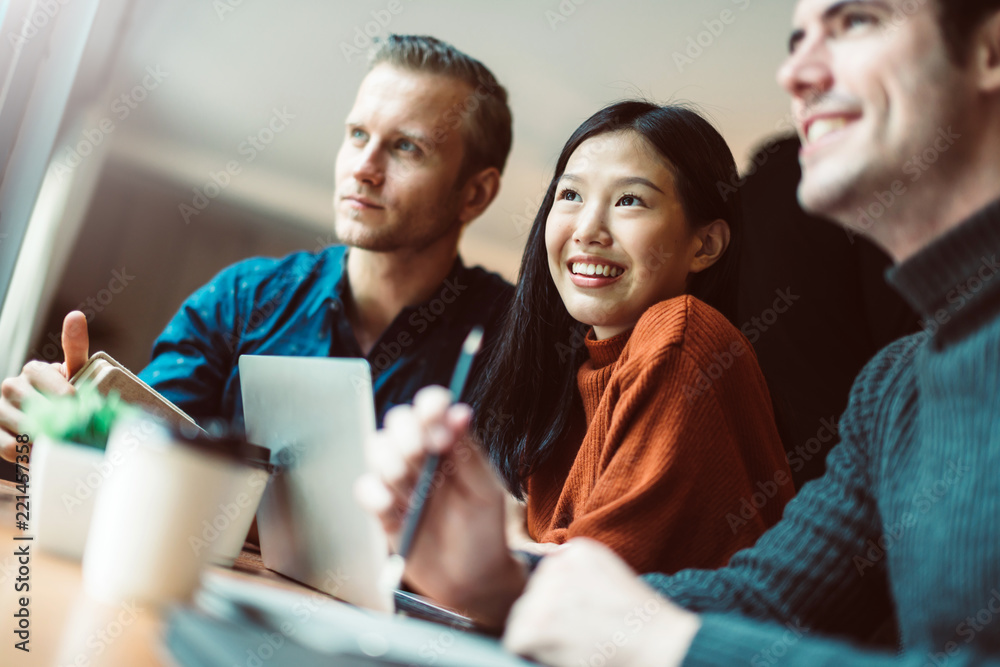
{"x":229,"y":63}
{"x":223,"y":67}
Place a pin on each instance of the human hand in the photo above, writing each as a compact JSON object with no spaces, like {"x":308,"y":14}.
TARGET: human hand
{"x":583,"y":602}
{"x":459,"y":555}
{"x":518,"y":537}
{"x":38,"y":376}
{"x":537,"y":548}
{"x":517,"y":521}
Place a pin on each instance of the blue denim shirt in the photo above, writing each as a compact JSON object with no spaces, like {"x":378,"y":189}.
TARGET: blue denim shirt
{"x":295,"y":307}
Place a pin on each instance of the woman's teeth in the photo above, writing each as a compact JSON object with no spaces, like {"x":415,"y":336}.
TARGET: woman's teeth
{"x":582,"y":269}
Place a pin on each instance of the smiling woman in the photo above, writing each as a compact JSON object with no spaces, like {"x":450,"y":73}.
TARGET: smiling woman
{"x":607,"y":215}
{"x":621,"y":400}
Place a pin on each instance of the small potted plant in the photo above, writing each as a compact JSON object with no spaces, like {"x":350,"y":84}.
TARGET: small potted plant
{"x":67,"y":464}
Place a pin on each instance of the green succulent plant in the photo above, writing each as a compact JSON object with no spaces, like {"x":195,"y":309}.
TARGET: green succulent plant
{"x":84,"y":417}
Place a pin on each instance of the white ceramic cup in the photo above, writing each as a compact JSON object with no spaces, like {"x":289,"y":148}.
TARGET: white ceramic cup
{"x":226,"y":532}
{"x":147,"y":512}
{"x":64,"y":480}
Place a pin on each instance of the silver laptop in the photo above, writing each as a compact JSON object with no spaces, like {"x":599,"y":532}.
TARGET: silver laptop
{"x":316,"y":414}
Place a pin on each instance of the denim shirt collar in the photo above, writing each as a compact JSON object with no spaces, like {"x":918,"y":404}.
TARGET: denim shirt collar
{"x":336,"y":288}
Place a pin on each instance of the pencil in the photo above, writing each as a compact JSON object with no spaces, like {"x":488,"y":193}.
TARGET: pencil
{"x":397,"y":562}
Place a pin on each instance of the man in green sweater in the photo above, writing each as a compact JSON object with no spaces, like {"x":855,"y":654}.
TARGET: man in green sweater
{"x":898,"y":107}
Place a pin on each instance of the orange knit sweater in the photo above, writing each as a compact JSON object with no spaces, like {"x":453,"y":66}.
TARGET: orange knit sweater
{"x":680,"y":464}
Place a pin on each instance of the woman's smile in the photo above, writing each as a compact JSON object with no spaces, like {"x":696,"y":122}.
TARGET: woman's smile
{"x":590,"y":272}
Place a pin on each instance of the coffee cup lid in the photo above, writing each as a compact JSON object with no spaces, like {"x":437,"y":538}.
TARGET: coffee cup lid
{"x":225,"y":442}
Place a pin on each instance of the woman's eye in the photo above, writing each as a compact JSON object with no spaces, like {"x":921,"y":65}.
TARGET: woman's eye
{"x":629,"y":200}
{"x":570,"y":195}
{"x":358,"y":134}
{"x":407,"y":146}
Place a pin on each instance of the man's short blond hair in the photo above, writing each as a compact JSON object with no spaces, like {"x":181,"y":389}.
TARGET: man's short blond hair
{"x":484,"y":113}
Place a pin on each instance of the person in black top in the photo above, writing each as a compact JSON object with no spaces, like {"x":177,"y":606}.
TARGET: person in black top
{"x":814,"y":304}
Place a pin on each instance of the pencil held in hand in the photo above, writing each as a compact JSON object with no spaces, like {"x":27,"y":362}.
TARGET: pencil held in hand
{"x":393,"y":572}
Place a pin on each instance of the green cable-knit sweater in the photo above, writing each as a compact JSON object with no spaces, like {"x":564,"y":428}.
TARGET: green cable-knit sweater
{"x":907,"y":516}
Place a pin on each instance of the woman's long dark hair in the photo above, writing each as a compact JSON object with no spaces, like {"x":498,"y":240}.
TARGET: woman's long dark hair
{"x":528,"y":398}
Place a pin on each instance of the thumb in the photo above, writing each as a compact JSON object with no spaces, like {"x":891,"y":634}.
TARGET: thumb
{"x":75,"y":342}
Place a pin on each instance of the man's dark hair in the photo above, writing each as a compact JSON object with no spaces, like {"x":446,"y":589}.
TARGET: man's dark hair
{"x":488,"y":131}
{"x":959,"y":19}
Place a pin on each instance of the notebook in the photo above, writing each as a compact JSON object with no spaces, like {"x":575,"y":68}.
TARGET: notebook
{"x":108,"y":375}
{"x":238,"y":621}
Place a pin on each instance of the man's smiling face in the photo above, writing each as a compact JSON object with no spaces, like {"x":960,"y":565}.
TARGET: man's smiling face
{"x":872,"y":85}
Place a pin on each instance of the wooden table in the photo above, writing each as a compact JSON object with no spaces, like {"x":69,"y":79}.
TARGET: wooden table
{"x":69,"y":628}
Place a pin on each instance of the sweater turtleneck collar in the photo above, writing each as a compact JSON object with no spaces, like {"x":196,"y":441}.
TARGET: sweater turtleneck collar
{"x":606,"y":352}
{"x":956,"y":271}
